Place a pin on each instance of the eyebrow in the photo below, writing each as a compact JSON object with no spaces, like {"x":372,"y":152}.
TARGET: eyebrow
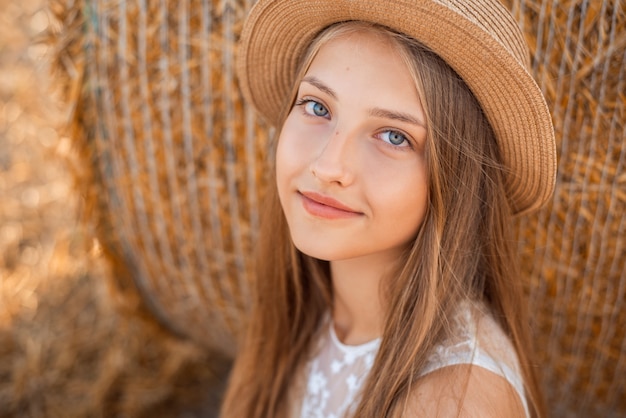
{"x":316,"y":82}
{"x":375,"y":112}
{"x":399,"y":116}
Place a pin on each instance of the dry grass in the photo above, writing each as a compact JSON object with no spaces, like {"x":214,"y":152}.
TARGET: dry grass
{"x":71,"y":344}
{"x":176,"y":160}
{"x":170,"y":167}
{"x":574,"y":251}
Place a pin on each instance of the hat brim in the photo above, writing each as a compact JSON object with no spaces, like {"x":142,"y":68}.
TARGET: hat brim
{"x":277,"y":33}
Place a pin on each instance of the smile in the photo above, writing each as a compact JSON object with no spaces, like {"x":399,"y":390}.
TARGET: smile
{"x":326,"y":207}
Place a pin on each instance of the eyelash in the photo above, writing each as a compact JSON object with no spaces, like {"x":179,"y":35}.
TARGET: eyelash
{"x":305,"y":101}
{"x":409,"y":146}
{"x":406,"y":141}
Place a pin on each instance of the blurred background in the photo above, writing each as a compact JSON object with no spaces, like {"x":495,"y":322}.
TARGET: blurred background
{"x":71,"y":345}
{"x":131,"y":174}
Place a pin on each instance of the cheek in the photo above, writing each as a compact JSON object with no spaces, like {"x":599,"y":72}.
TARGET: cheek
{"x":291,"y":157}
{"x":280,"y":157}
{"x":418,"y":191}
{"x":283,"y":168}
{"x":402,"y":197}
{"x":288,"y":157}
{"x":296,"y":148}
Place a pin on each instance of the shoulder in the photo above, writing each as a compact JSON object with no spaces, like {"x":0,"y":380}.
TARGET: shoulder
{"x":473,"y":373}
{"x":463,"y":390}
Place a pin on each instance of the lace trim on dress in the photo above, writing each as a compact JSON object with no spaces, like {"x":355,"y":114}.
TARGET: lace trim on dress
{"x":336,"y":375}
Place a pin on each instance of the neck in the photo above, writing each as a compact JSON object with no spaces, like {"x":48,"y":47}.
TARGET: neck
{"x":357,"y":305}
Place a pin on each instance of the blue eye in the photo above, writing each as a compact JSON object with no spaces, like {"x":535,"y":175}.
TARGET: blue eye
{"x":315,"y":108}
{"x":395,"y":138}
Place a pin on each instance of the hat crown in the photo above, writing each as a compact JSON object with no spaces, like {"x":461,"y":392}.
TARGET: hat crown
{"x":494,"y":19}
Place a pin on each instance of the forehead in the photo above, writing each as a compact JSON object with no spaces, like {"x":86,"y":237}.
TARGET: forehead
{"x":367,"y":64}
{"x":365,"y":45}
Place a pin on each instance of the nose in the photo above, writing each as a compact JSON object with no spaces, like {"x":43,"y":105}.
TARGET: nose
{"x":334,"y":162}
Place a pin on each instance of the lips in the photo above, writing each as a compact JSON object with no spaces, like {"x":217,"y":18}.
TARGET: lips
{"x":326,"y":207}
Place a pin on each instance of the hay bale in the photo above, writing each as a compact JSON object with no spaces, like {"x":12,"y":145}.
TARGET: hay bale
{"x":178,"y":168}
{"x":176,"y":156}
{"x":574,"y":251}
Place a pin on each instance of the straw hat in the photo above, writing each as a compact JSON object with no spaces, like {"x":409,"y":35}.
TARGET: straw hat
{"x":478,"y":38}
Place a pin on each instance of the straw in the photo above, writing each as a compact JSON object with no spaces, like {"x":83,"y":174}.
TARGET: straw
{"x":177,"y":168}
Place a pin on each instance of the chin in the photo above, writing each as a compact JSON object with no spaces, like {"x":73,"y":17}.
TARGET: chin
{"x":317,"y":250}
{"x":314,"y":251}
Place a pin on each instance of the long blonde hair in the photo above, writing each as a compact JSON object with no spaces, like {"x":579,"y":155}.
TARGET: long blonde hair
{"x":464,"y":249}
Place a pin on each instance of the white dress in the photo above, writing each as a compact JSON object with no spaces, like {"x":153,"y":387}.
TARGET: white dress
{"x":336,"y":374}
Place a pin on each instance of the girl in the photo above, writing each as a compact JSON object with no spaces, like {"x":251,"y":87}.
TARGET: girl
{"x":410,"y":132}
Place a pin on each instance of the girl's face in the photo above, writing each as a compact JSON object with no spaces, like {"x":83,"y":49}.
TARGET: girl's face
{"x":351,"y":170}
